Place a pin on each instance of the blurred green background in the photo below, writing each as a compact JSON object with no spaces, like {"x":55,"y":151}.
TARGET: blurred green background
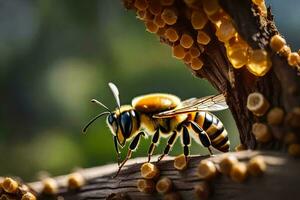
{"x":57,"y":55}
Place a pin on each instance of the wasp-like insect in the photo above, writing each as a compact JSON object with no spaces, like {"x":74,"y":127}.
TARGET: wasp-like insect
{"x":165,"y":115}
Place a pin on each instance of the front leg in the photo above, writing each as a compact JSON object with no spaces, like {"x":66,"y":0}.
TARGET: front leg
{"x":117,"y":150}
{"x":132,"y":147}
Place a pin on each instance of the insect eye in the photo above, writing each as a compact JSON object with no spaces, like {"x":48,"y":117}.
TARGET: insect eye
{"x":111,"y":119}
{"x":126,"y":124}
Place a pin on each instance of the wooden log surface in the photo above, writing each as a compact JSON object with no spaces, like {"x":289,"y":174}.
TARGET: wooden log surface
{"x":280,"y":181}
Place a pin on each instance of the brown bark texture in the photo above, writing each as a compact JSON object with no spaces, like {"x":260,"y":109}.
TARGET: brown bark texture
{"x":276,"y":183}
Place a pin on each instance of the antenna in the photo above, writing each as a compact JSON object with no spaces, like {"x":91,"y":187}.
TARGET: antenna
{"x":94,"y":119}
{"x":100,"y":104}
{"x":115,"y":92}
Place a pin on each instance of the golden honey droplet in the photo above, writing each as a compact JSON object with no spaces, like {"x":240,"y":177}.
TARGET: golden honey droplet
{"x":237,"y":54}
{"x":178,"y":52}
{"x":277,"y":43}
{"x":186,"y":40}
{"x":169,"y":16}
{"x":226,"y":31}
{"x":203,"y":38}
{"x":198,"y":19}
{"x":259,"y":62}
{"x":258,"y":2}
{"x":293,"y":59}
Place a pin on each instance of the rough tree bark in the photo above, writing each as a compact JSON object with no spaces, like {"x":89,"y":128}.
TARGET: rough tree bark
{"x":280,"y":86}
{"x":274,"y":184}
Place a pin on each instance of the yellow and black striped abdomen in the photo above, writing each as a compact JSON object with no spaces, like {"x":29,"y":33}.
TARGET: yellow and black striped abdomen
{"x":214,"y":129}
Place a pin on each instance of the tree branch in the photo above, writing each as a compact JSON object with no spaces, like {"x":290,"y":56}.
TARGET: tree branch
{"x":276,"y":183}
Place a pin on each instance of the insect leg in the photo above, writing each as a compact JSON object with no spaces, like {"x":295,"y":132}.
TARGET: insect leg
{"x":153,"y":144}
{"x":117,"y":150}
{"x":132,"y":147}
{"x":171,"y":141}
{"x":205,"y":140}
{"x":186,"y":140}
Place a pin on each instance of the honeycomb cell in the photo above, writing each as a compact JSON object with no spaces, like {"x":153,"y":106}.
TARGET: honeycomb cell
{"x":164,"y":185}
{"x":141,"y":4}
{"x":196,"y":63}
{"x":151,"y":27}
{"x":211,"y":6}
{"x":159,"y":21}
{"x":186,"y":40}
{"x":187,"y":59}
{"x":149,"y":171}
{"x":203,"y":38}
{"x":178,"y":52}
{"x":155,"y":7}
{"x":146,"y":186}
{"x":217,"y":17}
{"x":261,"y":132}
{"x":206,"y":170}
{"x":171,"y":34}
{"x":259,"y":62}
{"x":141,"y":14}
{"x":198,"y":19}
{"x":239,"y":172}
{"x":169,"y":15}
{"x":194,"y":52}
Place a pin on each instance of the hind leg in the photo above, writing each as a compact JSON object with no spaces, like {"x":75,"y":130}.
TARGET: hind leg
{"x":186,"y":141}
{"x":204,"y":139}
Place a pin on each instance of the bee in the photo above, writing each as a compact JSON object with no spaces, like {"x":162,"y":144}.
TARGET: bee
{"x":165,"y":115}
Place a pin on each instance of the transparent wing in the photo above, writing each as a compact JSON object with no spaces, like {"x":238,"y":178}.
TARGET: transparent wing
{"x":209,"y":103}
